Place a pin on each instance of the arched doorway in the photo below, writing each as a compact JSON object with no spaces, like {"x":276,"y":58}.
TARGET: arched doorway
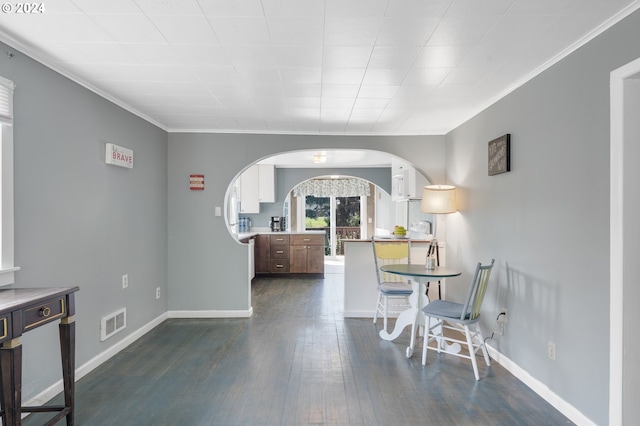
{"x":374,"y":167}
{"x":378,"y":168}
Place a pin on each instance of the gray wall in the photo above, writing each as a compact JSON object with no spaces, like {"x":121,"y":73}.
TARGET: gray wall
{"x":547,"y":221}
{"x":207,"y":267}
{"x":288,"y":178}
{"x":79,"y":221}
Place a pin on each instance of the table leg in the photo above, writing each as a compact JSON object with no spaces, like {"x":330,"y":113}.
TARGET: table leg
{"x":11,"y":377}
{"x":419,"y":288}
{"x":411,"y":316}
{"x":67,"y":330}
{"x":407,"y":317}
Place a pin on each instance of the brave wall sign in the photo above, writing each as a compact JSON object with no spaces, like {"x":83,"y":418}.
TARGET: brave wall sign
{"x":119,"y":156}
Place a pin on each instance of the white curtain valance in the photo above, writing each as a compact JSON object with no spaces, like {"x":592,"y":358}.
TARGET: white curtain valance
{"x":346,"y":187}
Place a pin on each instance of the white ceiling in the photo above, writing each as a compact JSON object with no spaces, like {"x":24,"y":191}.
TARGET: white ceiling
{"x":306,"y":66}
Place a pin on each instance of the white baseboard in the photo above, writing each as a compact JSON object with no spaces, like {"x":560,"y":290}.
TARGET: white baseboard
{"x":95,"y":362}
{"x":211,"y":314}
{"x":366,"y":314}
{"x":358,"y":314}
{"x":541,"y":389}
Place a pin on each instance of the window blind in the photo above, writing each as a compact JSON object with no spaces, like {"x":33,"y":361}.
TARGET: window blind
{"x":6,"y":100}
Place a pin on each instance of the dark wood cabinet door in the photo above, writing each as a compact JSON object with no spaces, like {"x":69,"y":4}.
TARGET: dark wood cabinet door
{"x":262,"y":252}
{"x":315,"y":259}
{"x":298,"y":259}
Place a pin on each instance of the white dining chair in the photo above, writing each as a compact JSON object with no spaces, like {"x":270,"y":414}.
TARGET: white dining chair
{"x":393,"y":290}
{"x":442,"y":314}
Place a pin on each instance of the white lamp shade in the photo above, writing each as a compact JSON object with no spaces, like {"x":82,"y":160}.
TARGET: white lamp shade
{"x":439,"y":199}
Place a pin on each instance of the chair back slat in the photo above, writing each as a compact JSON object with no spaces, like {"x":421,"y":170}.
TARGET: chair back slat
{"x":477,"y":291}
{"x":387,"y":253}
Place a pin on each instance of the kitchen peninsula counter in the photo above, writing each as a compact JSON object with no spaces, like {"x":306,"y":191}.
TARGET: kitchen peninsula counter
{"x":360,"y":283}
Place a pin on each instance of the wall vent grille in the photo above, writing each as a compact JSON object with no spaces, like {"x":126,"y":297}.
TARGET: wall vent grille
{"x":113,"y":323}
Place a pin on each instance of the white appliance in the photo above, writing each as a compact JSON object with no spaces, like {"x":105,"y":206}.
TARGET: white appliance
{"x":252,"y":267}
{"x":234,"y":211}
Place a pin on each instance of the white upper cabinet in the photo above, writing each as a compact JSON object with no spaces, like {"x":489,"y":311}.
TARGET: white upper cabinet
{"x":257,"y":185}
{"x":266,"y":183}
{"x":249,"y":201}
{"x":406,"y":182}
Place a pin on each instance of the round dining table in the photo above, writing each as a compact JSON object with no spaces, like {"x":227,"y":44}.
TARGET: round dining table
{"x":419,"y":277}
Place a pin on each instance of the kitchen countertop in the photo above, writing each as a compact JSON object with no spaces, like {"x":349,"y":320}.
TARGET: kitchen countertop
{"x":247,"y":235}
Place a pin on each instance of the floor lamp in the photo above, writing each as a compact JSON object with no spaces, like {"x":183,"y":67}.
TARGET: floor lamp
{"x":438,"y":199}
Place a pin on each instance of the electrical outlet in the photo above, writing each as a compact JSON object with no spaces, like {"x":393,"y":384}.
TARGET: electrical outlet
{"x":500,"y":322}
{"x":125,"y":281}
{"x":157,"y":292}
{"x":552,"y":350}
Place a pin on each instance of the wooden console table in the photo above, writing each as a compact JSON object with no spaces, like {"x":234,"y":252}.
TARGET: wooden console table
{"x":21,"y":310}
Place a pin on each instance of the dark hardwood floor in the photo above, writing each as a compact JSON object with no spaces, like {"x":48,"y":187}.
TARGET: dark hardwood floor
{"x":297,"y":361}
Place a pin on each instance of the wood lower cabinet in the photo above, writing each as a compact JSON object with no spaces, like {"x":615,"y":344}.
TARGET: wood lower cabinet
{"x":307,"y":254}
{"x":289,"y":253}
{"x":279,"y":254}
{"x":262,"y":254}
{"x":315,"y":259}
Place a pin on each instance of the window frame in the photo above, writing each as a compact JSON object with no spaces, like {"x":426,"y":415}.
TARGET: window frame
{"x":7,"y":266}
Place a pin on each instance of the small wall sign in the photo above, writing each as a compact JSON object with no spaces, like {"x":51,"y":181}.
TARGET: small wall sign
{"x":500,"y":155}
{"x":196,"y":182}
{"x":119,"y":156}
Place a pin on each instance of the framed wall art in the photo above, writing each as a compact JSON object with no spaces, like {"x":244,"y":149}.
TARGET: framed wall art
{"x":500,"y":155}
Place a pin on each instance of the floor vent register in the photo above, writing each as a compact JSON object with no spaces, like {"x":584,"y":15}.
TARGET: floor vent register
{"x":113,"y":323}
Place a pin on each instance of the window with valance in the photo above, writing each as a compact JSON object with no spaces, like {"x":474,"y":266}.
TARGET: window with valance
{"x":341,"y":187}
